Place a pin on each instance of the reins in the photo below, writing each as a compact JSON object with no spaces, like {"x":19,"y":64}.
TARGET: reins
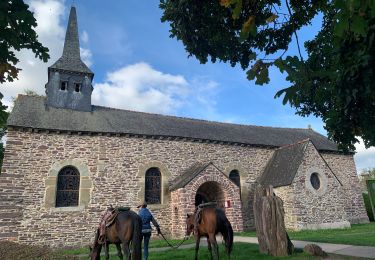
{"x":174,"y":246}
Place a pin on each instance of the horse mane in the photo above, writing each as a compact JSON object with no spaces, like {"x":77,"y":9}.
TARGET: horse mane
{"x":225,"y":228}
{"x":96,"y":239}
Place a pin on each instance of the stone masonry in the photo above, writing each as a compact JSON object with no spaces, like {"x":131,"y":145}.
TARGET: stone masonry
{"x":308,"y":208}
{"x":115,"y":169}
{"x":112,"y":172}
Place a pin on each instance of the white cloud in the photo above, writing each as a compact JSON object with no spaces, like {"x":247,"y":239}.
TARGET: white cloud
{"x":51,"y":33}
{"x":86,"y":56}
{"x":142,"y":88}
{"x":85,"y":37}
{"x":364,"y":158}
{"x":33,"y":76}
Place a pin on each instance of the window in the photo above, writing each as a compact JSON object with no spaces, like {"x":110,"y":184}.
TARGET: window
{"x":67,"y":192}
{"x":64,"y":85}
{"x":153,"y":186}
{"x":234,"y":176}
{"x":315,"y":181}
{"x":77,"y":87}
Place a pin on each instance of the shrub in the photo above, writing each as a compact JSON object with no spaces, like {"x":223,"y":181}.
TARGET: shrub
{"x":366,"y":199}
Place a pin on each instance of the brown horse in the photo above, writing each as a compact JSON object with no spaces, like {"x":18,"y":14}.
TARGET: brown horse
{"x":208,"y":223}
{"x":126,"y":228}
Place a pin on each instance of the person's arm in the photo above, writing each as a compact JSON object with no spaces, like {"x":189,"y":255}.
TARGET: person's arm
{"x":155,"y":223}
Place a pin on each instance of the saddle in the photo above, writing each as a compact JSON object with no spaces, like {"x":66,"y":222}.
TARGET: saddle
{"x":107,"y":220}
{"x":198,"y":212}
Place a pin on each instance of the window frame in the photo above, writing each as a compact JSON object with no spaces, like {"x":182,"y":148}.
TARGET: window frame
{"x":149,"y":190}
{"x":76,"y":177}
{"x":79,"y":85}
{"x":64,"y":84}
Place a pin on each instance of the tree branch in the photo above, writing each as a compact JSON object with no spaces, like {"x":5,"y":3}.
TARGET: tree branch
{"x":295,"y":33}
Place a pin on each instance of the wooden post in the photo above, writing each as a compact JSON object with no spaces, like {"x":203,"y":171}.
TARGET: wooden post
{"x":269,"y":223}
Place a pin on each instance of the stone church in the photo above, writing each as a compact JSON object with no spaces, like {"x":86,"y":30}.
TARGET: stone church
{"x":66,"y":160}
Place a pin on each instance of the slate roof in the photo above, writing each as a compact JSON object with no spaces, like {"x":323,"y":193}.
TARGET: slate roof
{"x":188,"y":175}
{"x":31,"y":112}
{"x":282,"y":167}
{"x":71,"y":58}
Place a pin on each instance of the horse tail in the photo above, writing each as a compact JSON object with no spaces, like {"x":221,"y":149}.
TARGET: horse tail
{"x":225,"y":229}
{"x":137,"y":238}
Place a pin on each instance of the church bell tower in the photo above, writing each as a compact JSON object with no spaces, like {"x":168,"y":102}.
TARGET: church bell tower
{"x":69,"y":79}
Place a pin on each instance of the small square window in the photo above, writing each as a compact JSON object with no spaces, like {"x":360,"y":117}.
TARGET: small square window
{"x":77,"y":87}
{"x":64,"y":85}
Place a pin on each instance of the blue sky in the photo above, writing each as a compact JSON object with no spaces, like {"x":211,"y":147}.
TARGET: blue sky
{"x":138,"y":66}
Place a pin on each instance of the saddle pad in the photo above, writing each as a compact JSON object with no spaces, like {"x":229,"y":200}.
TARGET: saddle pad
{"x":123,"y":208}
{"x":207,"y":205}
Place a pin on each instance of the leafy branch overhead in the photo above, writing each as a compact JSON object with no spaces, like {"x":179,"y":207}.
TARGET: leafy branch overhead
{"x":17,"y":25}
{"x":335,"y":81}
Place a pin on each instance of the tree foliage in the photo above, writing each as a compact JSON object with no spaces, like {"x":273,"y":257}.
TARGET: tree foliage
{"x":335,"y":82}
{"x":3,"y":120}
{"x":17,"y":25}
{"x":368,"y":173}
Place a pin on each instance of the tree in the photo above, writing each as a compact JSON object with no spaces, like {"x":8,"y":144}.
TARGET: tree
{"x":368,"y":173}
{"x":17,"y":25}
{"x":3,"y":120}
{"x":17,"y":32}
{"x":336,"y":82}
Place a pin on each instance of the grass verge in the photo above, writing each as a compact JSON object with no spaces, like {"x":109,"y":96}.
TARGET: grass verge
{"x":241,"y":251}
{"x":358,"y":234}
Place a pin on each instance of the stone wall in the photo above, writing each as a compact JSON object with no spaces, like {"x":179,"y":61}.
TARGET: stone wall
{"x":310,"y":208}
{"x":115,"y":171}
{"x":344,"y":168}
{"x":183,"y":199}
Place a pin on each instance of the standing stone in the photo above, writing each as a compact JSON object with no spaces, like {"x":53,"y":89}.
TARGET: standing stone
{"x":314,"y":250}
{"x":269,"y":223}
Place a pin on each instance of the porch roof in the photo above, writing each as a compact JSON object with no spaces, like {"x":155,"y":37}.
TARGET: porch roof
{"x":189,"y":174}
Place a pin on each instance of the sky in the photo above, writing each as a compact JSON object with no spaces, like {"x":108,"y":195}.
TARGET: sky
{"x":139,"y":67}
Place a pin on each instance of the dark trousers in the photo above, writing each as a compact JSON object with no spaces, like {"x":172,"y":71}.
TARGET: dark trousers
{"x":146,"y":238}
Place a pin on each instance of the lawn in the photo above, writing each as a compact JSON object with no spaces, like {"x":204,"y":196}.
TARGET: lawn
{"x":154,"y":243}
{"x":359,"y":234}
{"x":240,"y":251}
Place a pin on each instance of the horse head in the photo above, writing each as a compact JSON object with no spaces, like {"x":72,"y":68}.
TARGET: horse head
{"x":189,"y":224}
{"x":95,"y":248}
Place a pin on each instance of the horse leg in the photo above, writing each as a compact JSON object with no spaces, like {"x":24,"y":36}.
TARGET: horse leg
{"x":197,"y":241}
{"x":212,"y":239}
{"x":125,"y":246}
{"x":209,"y":247}
{"x":106,"y":246}
{"x":119,"y":252}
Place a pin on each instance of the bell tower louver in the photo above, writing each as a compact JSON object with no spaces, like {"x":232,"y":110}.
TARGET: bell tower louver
{"x":69,"y":79}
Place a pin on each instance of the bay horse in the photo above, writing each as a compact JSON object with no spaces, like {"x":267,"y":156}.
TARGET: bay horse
{"x":208,"y":223}
{"x":126,"y":228}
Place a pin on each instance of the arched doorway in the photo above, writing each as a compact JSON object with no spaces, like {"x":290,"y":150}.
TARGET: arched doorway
{"x":210,"y":191}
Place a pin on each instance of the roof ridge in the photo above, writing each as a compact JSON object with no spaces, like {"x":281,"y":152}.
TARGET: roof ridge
{"x":200,"y":120}
{"x":293,"y":144}
{"x":112,"y":120}
{"x":187,"y":118}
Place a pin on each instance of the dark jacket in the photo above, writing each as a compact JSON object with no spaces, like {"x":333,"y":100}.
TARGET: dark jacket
{"x":147,"y":217}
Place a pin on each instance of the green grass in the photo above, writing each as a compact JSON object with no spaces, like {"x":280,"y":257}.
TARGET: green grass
{"x":240,"y":251}
{"x":154,"y":243}
{"x":359,"y":234}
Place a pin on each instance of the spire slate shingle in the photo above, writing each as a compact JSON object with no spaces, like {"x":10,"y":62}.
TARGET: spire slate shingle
{"x":71,"y":58}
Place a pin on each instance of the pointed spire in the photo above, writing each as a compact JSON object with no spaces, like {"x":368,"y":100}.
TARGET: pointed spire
{"x":71,"y":45}
{"x":71,"y":58}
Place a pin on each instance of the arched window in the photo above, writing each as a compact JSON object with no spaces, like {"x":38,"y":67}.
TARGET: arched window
{"x":67,"y":192}
{"x":234,"y":176}
{"x":153,"y":186}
